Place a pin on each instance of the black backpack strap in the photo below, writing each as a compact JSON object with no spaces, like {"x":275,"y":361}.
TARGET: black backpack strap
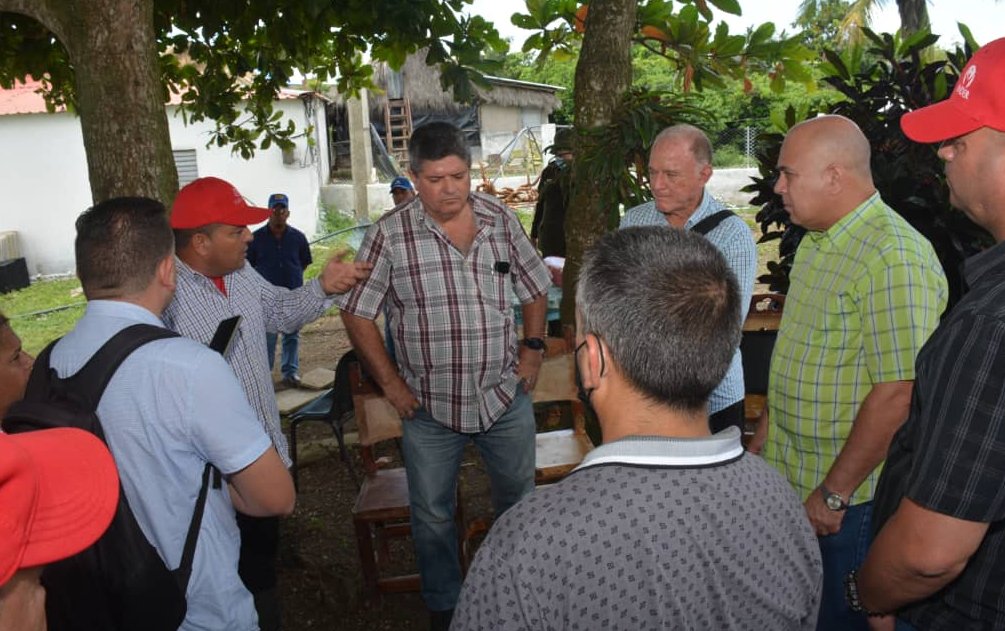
{"x":210,"y":475}
{"x":89,"y":383}
{"x":708,"y":224}
{"x":38,"y":381}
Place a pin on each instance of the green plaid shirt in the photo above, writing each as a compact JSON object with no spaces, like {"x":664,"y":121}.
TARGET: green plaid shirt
{"x":864,"y":296}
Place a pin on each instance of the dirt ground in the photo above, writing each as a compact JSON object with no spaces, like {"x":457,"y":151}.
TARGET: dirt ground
{"x":320,"y":582}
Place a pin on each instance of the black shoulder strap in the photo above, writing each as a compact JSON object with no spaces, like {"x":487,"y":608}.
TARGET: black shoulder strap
{"x":90,"y":381}
{"x":38,"y":380}
{"x":709,"y":223}
{"x":184,"y":571}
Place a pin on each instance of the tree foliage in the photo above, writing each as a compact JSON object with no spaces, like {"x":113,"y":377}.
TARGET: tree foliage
{"x":909,"y":176}
{"x":227,"y":59}
{"x":697,"y":52}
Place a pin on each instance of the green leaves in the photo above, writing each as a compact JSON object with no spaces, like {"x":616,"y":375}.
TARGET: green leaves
{"x":227,"y":59}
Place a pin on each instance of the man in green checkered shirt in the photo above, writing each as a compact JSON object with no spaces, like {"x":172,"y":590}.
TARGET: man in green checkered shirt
{"x":866,"y":291}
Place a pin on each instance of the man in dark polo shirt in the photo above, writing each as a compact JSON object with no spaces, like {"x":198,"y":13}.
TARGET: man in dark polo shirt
{"x":938,"y":559}
{"x":651,"y":531}
{"x":280,"y":253}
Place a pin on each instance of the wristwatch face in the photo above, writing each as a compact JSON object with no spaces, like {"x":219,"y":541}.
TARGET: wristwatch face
{"x":534,"y":343}
{"x":834,"y":501}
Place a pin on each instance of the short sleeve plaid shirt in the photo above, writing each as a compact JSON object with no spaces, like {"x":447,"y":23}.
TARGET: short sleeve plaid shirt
{"x":864,"y":297}
{"x":451,"y":315}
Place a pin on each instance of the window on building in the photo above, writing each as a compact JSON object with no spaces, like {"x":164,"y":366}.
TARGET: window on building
{"x":187,"y":165}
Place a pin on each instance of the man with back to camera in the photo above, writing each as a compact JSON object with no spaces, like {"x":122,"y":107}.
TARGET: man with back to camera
{"x":446,"y":265}
{"x":938,"y":559}
{"x":680,"y":165}
{"x":171,"y":407}
{"x":651,"y":531}
{"x":866,"y":290}
{"x":280,"y":253}
{"x":210,"y":219}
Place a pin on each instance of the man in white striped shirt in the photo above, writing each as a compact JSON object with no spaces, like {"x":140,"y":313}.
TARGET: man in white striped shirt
{"x":210,"y":219}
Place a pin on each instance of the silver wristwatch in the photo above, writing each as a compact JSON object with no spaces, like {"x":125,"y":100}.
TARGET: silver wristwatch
{"x":833,"y":501}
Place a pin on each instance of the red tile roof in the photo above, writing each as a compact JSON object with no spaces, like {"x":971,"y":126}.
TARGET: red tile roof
{"x":24,"y":98}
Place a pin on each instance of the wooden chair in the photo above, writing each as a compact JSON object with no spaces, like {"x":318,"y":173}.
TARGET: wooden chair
{"x":382,"y":511}
{"x":760,"y":330}
{"x":558,"y":452}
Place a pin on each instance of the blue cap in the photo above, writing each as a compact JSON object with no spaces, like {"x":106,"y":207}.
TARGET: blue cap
{"x":401,"y":182}
{"x":278,"y":199}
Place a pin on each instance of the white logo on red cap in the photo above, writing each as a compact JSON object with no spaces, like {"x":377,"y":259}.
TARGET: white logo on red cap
{"x":963,"y":88}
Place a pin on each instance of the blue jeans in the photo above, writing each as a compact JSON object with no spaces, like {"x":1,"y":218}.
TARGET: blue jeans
{"x":291,"y":352}
{"x":432,"y":454}
{"x":841,"y":553}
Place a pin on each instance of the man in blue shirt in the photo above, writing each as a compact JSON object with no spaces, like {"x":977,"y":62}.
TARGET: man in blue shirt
{"x":279,"y":252}
{"x":171,"y":407}
{"x":680,"y":165}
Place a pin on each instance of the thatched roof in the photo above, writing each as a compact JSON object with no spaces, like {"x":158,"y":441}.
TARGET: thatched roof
{"x":421,"y":84}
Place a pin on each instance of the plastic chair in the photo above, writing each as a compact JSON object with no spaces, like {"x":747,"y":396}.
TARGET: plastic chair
{"x":334,"y":407}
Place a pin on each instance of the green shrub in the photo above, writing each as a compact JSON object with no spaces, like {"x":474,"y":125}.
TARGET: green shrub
{"x":882,"y":83}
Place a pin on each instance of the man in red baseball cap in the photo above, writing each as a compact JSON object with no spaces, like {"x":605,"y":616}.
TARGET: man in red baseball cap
{"x":210,"y":219}
{"x":58,"y":491}
{"x":938,"y":559}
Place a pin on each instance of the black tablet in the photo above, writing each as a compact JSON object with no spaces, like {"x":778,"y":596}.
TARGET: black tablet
{"x":224,"y":335}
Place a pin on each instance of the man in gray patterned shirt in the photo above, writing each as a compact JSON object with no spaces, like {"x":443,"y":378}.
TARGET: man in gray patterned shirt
{"x":651,"y":531}
{"x":210,"y":219}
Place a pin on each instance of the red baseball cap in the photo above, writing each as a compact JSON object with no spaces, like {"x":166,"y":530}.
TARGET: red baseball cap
{"x":978,"y":100}
{"x":211,"y":200}
{"x":59,"y":489}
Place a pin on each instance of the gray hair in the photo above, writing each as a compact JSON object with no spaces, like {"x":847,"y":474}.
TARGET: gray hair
{"x":667,"y":305}
{"x":701,"y":147}
{"x":435,"y":141}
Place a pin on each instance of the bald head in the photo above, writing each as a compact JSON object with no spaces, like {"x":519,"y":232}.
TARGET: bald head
{"x":824,"y":171}
{"x":836,"y":140}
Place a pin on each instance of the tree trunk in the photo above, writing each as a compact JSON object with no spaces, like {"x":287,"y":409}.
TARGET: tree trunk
{"x":913,"y":15}
{"x":120,"y":96}
{"x":603,"y":76}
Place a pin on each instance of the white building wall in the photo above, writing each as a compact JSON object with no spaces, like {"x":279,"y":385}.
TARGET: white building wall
{"x":44,"y":184}
{"x":43,"y":179}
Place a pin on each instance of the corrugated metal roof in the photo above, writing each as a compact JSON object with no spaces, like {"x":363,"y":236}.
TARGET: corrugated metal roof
{"x":24,"y":98}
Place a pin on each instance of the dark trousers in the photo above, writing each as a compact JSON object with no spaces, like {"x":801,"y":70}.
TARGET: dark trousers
{"x":257,"y":566}
{"x":732,"y":415}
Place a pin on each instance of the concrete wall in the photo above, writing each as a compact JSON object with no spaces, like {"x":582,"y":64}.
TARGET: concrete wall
{"x":725,"y":185}
{"x":341,"y":197}
{"x":500,"y":125}
{"x":43,"y":176}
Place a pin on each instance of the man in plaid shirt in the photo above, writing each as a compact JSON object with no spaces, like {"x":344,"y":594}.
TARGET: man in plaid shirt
{"x":210,"y":219}
{"x":446,"y":265}
{"x":866,"y":292}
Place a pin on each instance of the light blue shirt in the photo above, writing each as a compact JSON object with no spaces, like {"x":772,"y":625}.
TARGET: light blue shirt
{"x":733,"y":238}
{"x":171,"y":407}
